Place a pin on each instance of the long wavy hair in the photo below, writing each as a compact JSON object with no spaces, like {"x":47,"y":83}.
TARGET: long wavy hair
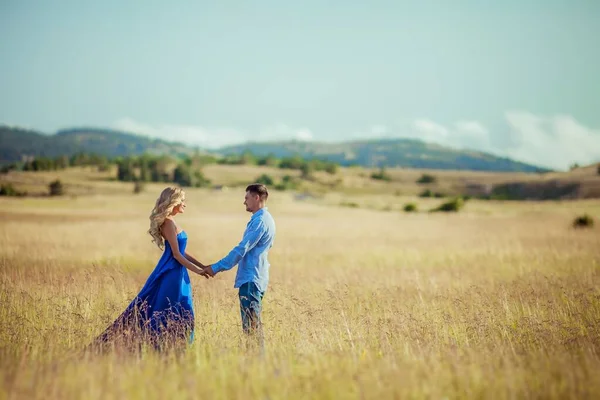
{"x":166,"y":202}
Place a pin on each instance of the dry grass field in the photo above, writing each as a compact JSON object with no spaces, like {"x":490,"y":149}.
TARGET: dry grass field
{"x":500,"y":300}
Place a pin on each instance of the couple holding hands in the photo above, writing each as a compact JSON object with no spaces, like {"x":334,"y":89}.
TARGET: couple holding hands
{"x":162,"y":313}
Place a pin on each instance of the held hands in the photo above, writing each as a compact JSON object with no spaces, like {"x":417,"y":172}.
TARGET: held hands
{"x":207,"y":272}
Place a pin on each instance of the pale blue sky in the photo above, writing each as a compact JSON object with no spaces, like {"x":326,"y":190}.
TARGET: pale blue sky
{"x":517,"y":78}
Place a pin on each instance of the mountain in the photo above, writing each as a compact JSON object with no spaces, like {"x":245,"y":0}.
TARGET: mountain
{"x":16,"y":143}
{"x":408,"y":153}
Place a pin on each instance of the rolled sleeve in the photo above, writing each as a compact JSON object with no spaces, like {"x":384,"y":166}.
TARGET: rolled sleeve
{"x":253,"y":233}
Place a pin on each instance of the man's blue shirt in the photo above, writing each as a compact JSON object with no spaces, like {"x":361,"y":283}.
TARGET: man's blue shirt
{"x":252,"y":252}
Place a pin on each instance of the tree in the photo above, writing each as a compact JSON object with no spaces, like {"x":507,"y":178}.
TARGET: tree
{"x":125,"y":170}
{"x":138,"y":186}
{"x":295,"y":162}
{"x":307,"y":170}
{"x":62,"y":162}
{"x":270,"y":161}
{"x":79,"y":159}
{"x":187,"y":177}
{"x":247,"y":158}
{"x":145,"y":171}
{"x":159,"y":169}
{"x":183,"y":175}
{"x":40,"y":164}
{"x":200,"y":180}
{"x":265,"y":180}
{"x":287,"y":183}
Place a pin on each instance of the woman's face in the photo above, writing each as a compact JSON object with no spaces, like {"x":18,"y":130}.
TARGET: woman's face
{"x":180,"y":208}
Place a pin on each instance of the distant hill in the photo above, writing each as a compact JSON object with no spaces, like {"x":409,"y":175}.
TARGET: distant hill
{"x":409,"y":153}
{"x":16,"y":143}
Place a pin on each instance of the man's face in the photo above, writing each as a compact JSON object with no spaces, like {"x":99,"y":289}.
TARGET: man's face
{"x":251,"y":201}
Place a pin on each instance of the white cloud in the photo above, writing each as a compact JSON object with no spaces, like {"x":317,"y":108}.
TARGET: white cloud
{"x":472,"y":127}
{"x":472,"y":134}
{"x":304,"y":134}
{"x":430,"y":131}
{"x":378,"y":130}
{"x":212,"y":138}
{"x":555,"y":141}
{"x":189,"y":134}
{"x":552,"y":141}
{"x":283,"y":132}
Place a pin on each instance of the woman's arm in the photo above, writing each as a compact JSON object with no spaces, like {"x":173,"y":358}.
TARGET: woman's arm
{"x":169,"y":231}
{"x":192,"y":259}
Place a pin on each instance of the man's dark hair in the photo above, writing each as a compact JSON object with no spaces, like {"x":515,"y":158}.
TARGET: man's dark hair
{"x":259,"y":189}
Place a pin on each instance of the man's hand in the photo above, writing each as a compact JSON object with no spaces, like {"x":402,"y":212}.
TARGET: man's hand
{"x":208,"y":272}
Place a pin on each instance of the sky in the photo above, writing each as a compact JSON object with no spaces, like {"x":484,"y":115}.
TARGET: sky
{"x":514,"y":78}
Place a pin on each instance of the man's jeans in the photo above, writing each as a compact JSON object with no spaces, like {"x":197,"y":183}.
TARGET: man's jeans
{"x":250,"y":308}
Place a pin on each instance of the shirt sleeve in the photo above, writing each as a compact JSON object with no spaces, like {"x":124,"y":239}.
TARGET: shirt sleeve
{"x":254,"y":231}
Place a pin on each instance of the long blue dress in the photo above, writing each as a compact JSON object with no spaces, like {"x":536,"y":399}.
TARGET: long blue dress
{"x":163,"y":310}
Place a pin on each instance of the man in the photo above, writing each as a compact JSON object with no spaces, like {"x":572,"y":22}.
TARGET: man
{"x":251,"y":255}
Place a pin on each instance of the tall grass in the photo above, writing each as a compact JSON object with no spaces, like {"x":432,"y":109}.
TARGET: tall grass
{"x":496,"y":302}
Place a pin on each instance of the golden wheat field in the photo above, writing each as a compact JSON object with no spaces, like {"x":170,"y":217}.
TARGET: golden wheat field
{"x":501,"y":300}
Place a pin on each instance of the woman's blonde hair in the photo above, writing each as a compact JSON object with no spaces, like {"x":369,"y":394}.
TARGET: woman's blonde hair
{"x":166,"y":202}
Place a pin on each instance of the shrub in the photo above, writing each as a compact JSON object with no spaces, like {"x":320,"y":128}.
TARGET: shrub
{"x":7,"y":189}
{"x":598,"y":170}
{"x":331,"y":168}
{"x":287,"y":183}
{"x":13,"y":167}
{"x":349,"y":204}
{"x":381,"y":175}
{"x":426,"y":178}
{"x":56,"y":188}
{"x":265,"y":180}
{"x":104,"y":167}
{"x":583,"y":221}
{"x":410,"y":207}
{"x":453,"y":205}
{"x":426,"y":193}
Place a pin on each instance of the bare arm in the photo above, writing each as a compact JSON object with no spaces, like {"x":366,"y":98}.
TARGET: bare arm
{"x":169,"y":231}
{"x":192,"y":259}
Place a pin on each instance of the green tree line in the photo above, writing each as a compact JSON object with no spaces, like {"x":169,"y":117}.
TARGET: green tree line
{"x":186,"y":171}
{"x":294,"y":162}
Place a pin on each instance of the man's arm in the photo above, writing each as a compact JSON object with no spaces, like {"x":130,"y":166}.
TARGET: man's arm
{"x":254,"y":231}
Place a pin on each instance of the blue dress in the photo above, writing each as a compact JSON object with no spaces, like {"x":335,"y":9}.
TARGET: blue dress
{"x":162,"y":313}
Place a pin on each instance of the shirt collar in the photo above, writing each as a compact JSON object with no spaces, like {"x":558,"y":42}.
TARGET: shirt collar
{"x":259,"y":212}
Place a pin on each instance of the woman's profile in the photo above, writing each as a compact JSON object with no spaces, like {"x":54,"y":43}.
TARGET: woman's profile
{"x":162,"y":313}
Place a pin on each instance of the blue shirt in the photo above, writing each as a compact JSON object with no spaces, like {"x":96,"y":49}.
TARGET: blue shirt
{"x":252,"y":252}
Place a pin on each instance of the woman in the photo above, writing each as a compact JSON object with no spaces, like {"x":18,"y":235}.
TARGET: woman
{"x":162,"y":314}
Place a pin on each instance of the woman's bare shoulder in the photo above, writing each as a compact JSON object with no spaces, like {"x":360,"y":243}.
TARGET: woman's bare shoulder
{"x":169,"y":224}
